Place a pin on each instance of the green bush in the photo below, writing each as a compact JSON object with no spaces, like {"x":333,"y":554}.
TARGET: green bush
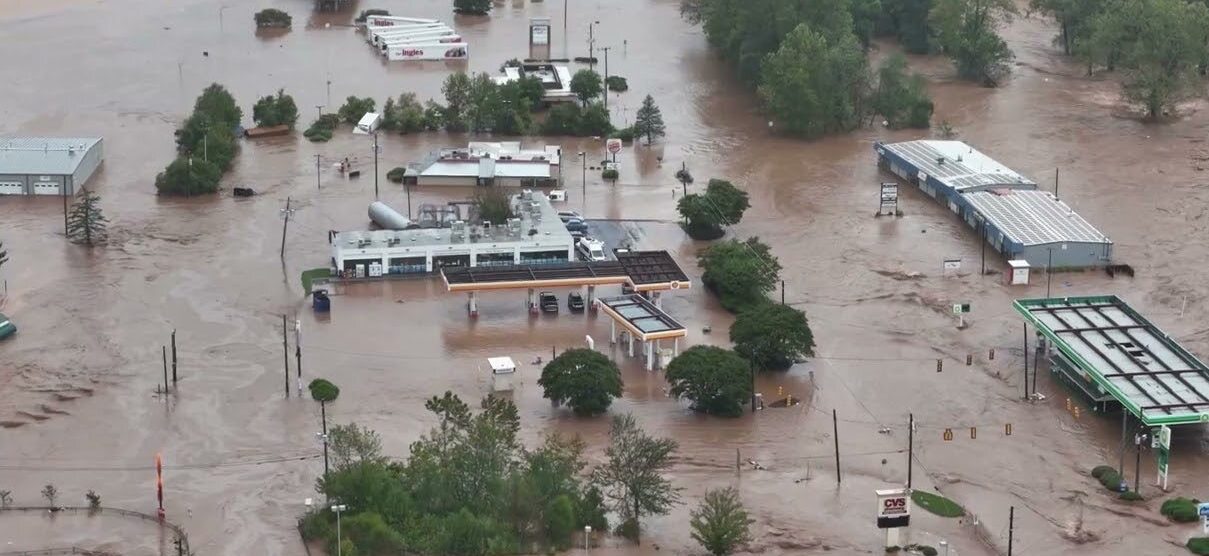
{"x":1198,"y":545}
{"x":396,"y":174}
{"x":1180,"y":509}
{"x":560,"y":521}
{"x":271,"y":17}
{"x":1131,"y":496}
{"x":275,"y":110}
{"x":617,"y":84}
{"x":562,"y":119}
{"x":626,"y":134}
{"x":321,"y":129}
{"x":316,"y":526}
{"x":354,"y":108}
{"x":185,"y":177}
{"x":1111,"y":481}
{"x":322,"y":390}
{"x":1100,"y":470}
{"x":610,"y":175}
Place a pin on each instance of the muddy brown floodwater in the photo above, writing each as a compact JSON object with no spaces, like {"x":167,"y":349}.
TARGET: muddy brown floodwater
{"x":77,"y":402}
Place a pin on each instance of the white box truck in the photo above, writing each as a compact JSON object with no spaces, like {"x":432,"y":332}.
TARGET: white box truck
{"x":369,"y":123}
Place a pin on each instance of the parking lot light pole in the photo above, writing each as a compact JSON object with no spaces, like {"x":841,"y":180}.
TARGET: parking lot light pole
{"x":583,"y":158}
{"x":338,"y":508}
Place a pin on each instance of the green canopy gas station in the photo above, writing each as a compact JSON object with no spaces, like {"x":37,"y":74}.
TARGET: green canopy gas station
{"x":1116,"y":357}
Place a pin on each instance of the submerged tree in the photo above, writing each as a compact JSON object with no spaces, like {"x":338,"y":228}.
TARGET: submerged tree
{"x":472,"y":7}
{"x":584,"y":379}
{"x":815,"y":82}
{"x":966,"y":31}
{"x":772,"y":336}
{"x":50,"y":493}
{"x":901,"y":98}
{"x":648,"y":122}
{"x":85,"y":222}
{"x":717,"y":381}
{"x":721,"y":523}
{"x":633,"y":473}
{"x":274,"y":110}
{"x":586,"y":85}
{"x":739,"y":272}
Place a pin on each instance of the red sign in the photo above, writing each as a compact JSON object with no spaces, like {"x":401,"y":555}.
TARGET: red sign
{"x":614,"y":145}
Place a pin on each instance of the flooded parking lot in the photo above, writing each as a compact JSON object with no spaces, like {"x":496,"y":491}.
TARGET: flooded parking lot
{"x":77,"y":401}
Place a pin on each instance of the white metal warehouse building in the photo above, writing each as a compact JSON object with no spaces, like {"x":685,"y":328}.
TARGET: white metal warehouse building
{"x":48,"y":165}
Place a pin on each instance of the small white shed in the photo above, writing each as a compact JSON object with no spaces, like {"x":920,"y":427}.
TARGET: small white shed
{"x":503,"y":369}
{"x":1018,"y":273}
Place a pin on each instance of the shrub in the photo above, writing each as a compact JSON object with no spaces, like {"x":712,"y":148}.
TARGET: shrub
{"x":323,"y":390}
{"x":396,"y":174}
{"x":188,"y":177}
{"x":610,"y":175}
{"x":560,"y":521}
{"x":372,"y":11}
{"x":94,"y":500}
{"x":1100,"y":470}
{"x":1198,"y":545}
{"x":321,"y":129}
{"x":315,"y":526}
{"x":617,"y":84}
{"x":354,"y":108}
{"x":584,"y":379}
{"x":1180,"y":509}
{"x":772,"y":336}
{"x":626,"y":134}
{"x":1131,"y":496}
{"x":563,"y":119}
{"x":1111,"y":481}
{"x":272,"y":17}
{"x":275,"y":110}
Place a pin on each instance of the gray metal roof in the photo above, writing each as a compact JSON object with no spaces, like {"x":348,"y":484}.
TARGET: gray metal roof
{"x":1125,"y":354}
{"x":43,"y":155}
{"x":958,"y":165}
{"x":642,"y":314}
{"x":1033,"y":217}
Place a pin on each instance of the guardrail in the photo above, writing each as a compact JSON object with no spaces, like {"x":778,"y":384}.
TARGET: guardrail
{"x":176,"y":529}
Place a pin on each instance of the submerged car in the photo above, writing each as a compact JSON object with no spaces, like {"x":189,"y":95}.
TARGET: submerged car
{"x":7,"y":328}
{"x":548,"y":302}
{"x":575,"y":302}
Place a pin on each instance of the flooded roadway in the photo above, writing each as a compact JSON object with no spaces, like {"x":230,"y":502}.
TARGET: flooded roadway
{"x":76,"y":385}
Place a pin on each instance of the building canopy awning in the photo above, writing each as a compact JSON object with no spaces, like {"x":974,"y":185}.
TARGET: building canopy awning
{"x":641,"y":318}
{"x":642,"y":270}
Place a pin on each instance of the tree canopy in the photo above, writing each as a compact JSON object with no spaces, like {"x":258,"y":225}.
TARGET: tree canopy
{"x":739,"y":272}
{"x":188,"y":176}
{"x":584,"y":379}
{"x":587,"y":85}
{"x":219,"y":106}
{"x":814,"y":84}
{"x":707,"y":214}
{"x":206,"y":144}
{"x":272,"y":17}
{"x":772,"y":336}
{"x":648,"y":122}
{"x":354,"y":108}
{"x":493,"y":205}
{"x":472,"y":7}
{"x":717,"y":381}
{"x":405,"y":115}
{"x":85,"y":222}
{"x":1158,"y":44}
{"x":720,"y":523}
{"x":632,"y":475}
{"x":322,"y":390}
{"x":275,"y":110}
{"x":900,"y":98}
{"x":966,"y":31}
{"x":467,"y":487}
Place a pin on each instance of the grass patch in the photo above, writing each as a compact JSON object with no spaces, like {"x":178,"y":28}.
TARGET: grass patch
{"x":309,"y":276}
{"x":1198,"y":545}
{"x":937,"y":504}
{"x":1180,"y":509}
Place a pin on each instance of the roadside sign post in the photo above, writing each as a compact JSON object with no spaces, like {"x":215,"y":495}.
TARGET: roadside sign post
{"x":893,"y":512}
{"x":888,"y":198}
{"x":960,"y":309}
{"x":614,"y":147}
{"x":1163,"y":442}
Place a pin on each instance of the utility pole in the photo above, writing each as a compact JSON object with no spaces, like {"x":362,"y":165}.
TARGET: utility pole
{"x":566,"y":51}
{"x":375,"y":165}
{"x":165,"y":351}
{"x":1055,"y":183}
{"x":606,"y":82}
{"x":174,"y":358}
{"x":1011,"y":527}
{"x":317,"y":185}
{"x":1049,"y":263}
{"x":285,"y":352}
{"x":286,"y":212}
{"x":323,"y":411}
{"x":1026,"y":360}
{"x":782,"y":292}
{"x":835,"y":430}
{"x":751,"y":366}
{"x":298,"y":352}
{"x":592,"y":46}
{"x":407,"y":190}
{"x":910,"y":447}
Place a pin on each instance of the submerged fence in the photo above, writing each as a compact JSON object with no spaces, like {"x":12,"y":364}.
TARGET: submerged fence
{"x":176,"y":529}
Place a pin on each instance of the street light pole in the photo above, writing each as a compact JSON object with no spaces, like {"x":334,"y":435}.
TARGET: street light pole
{"x":375,"y":165}
{"x":583,"y":157}
{"x":338,"y":508}
{"x":566,"y":51}
{"x":319,"y":108}
{"x":220,"y":9}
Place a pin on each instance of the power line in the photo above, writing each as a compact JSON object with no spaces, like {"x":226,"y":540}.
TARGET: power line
{"x":151,"y":467}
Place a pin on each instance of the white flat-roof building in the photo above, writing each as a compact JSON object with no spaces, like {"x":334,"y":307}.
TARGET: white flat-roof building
{"x":47,"y":165}
{"x":556,"y":80}
{"x":536,"y":236}
{"x":504,"y":164}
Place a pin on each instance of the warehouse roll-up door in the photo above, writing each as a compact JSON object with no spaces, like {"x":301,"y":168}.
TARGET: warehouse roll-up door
{"x":46,"y":188}
{"x":11,"y":188}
